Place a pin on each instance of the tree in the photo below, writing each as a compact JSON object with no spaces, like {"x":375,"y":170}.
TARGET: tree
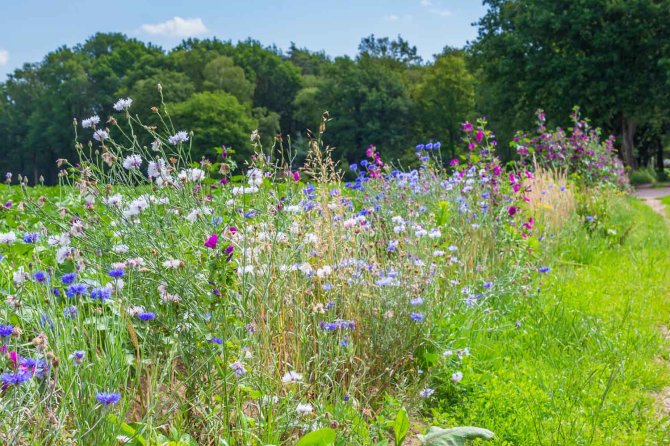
{"x":446,"y":98}
{"x":215,"y":118}
{"x":600,"y":54}
{"x":221,"y":73}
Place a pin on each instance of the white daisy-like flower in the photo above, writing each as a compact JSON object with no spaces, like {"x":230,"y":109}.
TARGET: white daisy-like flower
{"x":123,"y":104}
{"x":100,"y":135}
{"x":132,"y":162}
{"x":291,"y":377}
{"x":178,"y":137}
{"x":7,"y":237}
{"x":304,"y":409}
{"x":90,"y":122}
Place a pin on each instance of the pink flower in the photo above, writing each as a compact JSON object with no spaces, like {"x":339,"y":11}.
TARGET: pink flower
{"x":212,"y":241}
{"x":467,"y":127}
{"x":296,"y":176}
{"x":479,"y":136}
{"x":453,"y":163}
{"x":511,"y":211}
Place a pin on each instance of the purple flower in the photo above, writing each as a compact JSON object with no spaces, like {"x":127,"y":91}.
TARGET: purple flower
{"x":6,"y":330}
{"x":116,"y":273}
{"x":31,"y":237}
{"x":416,"y":301}
{"x":238,"y":368}
{"x":146,"y":316}
{"x":108,"y":398}
{"x":41,"y":276}
{"x":15,"y":379}
{"x":103,"y":293}
{"x":212,"y":241}
{"x":215,"y":340}
{"x":76,"y":289}
{"x":544,"y":269}
{"x":418,"y":317}
{"x":68,"y":278}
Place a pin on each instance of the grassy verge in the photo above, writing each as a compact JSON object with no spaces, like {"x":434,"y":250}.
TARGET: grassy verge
{"x":578,"y":362}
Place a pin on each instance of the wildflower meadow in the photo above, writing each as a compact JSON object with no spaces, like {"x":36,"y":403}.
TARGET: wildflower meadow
{"x":152,"y":298}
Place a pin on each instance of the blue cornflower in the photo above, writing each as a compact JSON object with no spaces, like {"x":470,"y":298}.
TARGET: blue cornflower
{"x":332,"y":326}
{"x":108,"y":398}
{"x":251,"y":214}
{"x":364,"y":163}
{"x":31,"y":237}
{"x":6,"y":330}
{"x":418,"y":317}
{"x":353,"y":167}
{"x":420,"y":146}
{"x":216,"y":221}
{"x":68,"y":278}
{"x":544,"y":269}
{"x":146,"y":316}
{"x":78,"y":356}
{"x":116,"y":273}
{"x":437,"y":145}
{"x":215,"y":340}
{"x":488,"y":285}
{"x":103,"y":293}
{"x":76,"y":289}
{"x":345,"y":342}
{"x":56,"y":292}
{"x":16,"y":378}
{"x":41,"y":276}
{"x":429,"y":146}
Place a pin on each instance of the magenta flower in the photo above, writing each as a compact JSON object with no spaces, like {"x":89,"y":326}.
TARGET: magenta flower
{"x":479,"y":136}
{"x":511,"y":211}
{"x":467,"y":127}
{"x":296,"y":176}
{"x":212,"y":241}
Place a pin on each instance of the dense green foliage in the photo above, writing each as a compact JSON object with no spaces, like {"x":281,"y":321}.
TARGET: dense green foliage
{"x":223,"y":91}
{"x":604,"y":56}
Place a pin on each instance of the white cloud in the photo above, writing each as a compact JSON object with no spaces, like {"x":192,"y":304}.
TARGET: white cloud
{"x":177,"y":27}
{"x":391,"y":18}
{"x":426,"y":3}
{"x":4,"y":57}
{"x":442,"y":12}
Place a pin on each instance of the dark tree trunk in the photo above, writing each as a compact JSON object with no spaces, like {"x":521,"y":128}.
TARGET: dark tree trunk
{"x":659,"y":154}
{"x":628,"y":127}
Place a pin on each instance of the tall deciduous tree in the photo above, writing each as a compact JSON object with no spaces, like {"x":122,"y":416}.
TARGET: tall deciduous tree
{"x":600,"y":54}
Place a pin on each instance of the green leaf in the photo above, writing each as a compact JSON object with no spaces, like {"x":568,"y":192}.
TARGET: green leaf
{"x":457,"y":436}
{"x":400,"y":426}
{"x":320,"y":437}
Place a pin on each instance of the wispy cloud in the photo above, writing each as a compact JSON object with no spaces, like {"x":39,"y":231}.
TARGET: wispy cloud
{"x":391,"y":18}
{"x":435,"y":9}
{"x":442,"y":12}
{"x":176,"y":27}
{"x":4,"y":57}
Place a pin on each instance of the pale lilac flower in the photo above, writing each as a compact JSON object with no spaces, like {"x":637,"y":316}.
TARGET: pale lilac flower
{"x":90,"y":122}
{"x":100,"y":135}
{"x":457,"y":377}
{"x":123,"y":104}
{"x":132,"y":162}
{"x":304,"y":409}
{"x":179,"y":137}
{"x":427,"y":392}
{"x":291,"y":377}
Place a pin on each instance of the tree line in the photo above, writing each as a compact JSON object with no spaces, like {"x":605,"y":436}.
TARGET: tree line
{"x":610,"y":57}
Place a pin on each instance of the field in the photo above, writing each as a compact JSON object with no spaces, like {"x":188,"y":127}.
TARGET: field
{"x":151,"y":299}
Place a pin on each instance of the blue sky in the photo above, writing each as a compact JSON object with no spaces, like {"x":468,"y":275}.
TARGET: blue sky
{"x":31,"y":28}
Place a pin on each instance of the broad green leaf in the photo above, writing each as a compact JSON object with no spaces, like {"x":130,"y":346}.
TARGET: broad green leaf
{"x":457,"y":436}
{"x":400,"y":426}
{"x":320,"y":437}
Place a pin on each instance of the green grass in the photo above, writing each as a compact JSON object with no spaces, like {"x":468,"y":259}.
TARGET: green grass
{"x":584,"y":361}
{"x":666,"y":202}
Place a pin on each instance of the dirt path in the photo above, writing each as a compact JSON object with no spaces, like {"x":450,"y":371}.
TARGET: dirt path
{"x":652,"y":198}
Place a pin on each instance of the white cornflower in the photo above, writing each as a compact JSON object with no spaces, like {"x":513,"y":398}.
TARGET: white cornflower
{"x":113,"y":200}
{"x":173,"y":264}
{"x":156,"y":145}
{"x":291,"y":377}
{"x":100,"y":135}
{"x":304,"y":409}
{"x":132,"y":162}
{"x":63,"y":253}
{"x":457,"y":377}
{"x":7,"y":237}
{"x":90,"y":122}
{"x":120,"y":249}
{"x":255,"y":177}
{"x":123,"y":104}
{"x":181,"y":136}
